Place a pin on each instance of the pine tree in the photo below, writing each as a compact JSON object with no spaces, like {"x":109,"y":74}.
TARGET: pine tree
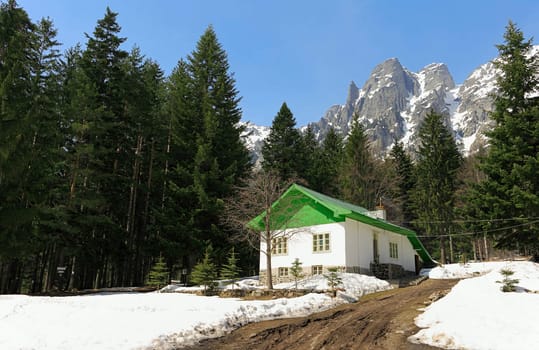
{"x":230,"y":270}
{"x":438,"y":162}
{"x":219,"y":158}
{"x":158,"y":275}
{"x":327,"y":164}
{"x":405,"y":181}
{"x":307,"y":154}
{"x":334,"y":280}
{"x":511,"y":187}
{"x":296,"y":271}
{"x":21,"y":200}
{"x":205,"y":272}
{"x":279,"y":149}
{"x":357,"y":176}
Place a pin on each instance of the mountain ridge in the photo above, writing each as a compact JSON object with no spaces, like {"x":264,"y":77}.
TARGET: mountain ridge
{"x":393,"y":102}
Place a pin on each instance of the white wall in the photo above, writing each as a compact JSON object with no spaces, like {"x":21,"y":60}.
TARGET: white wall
{"x":406,"y":252}
{"x":300,"y":246}
{"x":359,"y":246}
{"x":351,"y":245}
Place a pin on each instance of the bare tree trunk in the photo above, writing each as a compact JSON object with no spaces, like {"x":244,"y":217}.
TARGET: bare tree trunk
{"x":451,"y":249}
{"x":131,"y":212}
{"x":442,"y":250}
{"x":269,"y":275}
{"x":474,"y":247}
{"x":486,"y":246}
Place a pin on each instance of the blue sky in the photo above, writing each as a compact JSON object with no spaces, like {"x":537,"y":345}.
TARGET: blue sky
{"x":304,"y":53}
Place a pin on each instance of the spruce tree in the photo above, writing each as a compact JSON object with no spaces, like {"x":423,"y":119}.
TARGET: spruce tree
{"x":433,"y":197}
{"x":327,"y":164}
{"x":357,"y":175}
{"x":158,"y":275}
{"x":221,"y":158}
{"x":205,"y":272}
{"x":404,"y":169}
{"x":280,"y":147}
{"x":230,"y":270}
{"x":510,"y":192}
{"x":307,"y":154}
{"x":24,"y":166}
{"x":296,"y":271}
{"x":333,"y":280}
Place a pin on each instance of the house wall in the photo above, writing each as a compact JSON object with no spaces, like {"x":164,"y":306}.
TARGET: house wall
{"x":359,"y":247}
{"x":351,"y":247}
{"x":300,"y":246}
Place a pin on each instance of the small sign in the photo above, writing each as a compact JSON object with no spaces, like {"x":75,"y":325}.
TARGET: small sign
{"x":61,"y":270}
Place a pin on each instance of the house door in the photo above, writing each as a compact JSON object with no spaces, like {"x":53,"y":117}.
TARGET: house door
{"x":375,"y":255}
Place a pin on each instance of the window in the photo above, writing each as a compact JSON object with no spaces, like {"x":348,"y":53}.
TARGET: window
{"x":393,"y":250}
{"x":279,"y":246}
{"x":321,"y":242}
{"x":283,"y":271}
{"x":317,"y":269}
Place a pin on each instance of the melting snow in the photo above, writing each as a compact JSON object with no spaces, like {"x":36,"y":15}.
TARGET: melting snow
{"x":477,"y":315}
{"x":153,"y":320}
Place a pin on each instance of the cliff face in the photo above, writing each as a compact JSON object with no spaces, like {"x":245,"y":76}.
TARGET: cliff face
{"x":393,"y":102}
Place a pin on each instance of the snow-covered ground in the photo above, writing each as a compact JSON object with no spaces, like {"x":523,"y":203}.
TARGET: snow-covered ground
{"x":477,"y":315}
{"x":152,"y":320}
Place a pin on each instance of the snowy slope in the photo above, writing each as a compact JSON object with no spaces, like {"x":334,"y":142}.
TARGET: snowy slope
{"x":477,"y":315}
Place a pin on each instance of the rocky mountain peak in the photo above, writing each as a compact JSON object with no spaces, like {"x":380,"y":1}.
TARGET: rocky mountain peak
{"x":436,"y":75}
{"x":353,"y":93}
{"x":393,"y":102}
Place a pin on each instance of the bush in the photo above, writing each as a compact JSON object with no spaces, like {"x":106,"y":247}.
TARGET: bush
{"x":158,"y":276}
{"x":509,"y":284}
{"x":296,"y":271}
{"x":334,"y":281}
{"x":204,"y":273}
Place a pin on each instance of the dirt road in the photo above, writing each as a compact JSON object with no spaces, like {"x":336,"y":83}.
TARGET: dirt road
{"x":378,"y":321}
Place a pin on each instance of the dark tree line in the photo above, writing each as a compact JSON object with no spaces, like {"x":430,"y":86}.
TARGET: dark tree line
{"x":105,"y":164}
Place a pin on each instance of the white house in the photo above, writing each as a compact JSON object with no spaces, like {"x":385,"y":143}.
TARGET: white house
{"x":324,"y":232}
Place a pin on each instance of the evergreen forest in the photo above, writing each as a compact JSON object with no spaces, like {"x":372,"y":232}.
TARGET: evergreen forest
{"x":109,"y":168}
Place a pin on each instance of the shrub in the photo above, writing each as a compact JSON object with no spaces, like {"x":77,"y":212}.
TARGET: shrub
{"x":509,"y":284}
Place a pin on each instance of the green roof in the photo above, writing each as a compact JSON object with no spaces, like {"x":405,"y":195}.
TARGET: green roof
{"x":313,"y":208}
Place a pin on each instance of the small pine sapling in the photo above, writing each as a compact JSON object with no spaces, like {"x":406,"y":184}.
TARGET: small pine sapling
{"x":204,"y":273}
{"x":158,"y":275}
{"x":509,"y":284}
{"x":334,"y":280}
{"x":231,"y":271}
{"x":296,"y":271}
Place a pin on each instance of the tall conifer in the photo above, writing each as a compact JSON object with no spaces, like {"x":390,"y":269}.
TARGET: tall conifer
{"x":280,"y":147}
{"x":357,"y":176}
{"x":438,"y":161}
{"x":510,"y":192}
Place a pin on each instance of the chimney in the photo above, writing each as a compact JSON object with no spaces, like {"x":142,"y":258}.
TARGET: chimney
{"x":379,"y":211}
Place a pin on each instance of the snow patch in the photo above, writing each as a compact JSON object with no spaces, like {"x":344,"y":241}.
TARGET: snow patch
{"x":476,"y":314}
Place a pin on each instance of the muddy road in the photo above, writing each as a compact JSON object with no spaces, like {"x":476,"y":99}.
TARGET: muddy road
{"x":378,"y":321}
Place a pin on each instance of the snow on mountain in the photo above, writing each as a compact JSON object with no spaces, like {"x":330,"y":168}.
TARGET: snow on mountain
{"x":254,"y":136}
{"x":393,"y":102}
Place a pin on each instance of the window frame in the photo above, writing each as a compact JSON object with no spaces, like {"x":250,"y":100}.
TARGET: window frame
{"x":283,"y":272}
{"x":279,"y":246}
{"x":325,"y":247}
{"x":317,"y":270}
{"x":393,"y":250}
